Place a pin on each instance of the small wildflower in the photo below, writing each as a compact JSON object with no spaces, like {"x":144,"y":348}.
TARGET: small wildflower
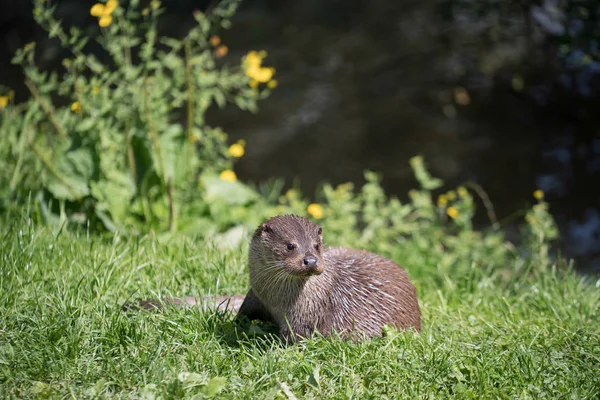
{"x":95,"y":90}
{"x":253,"y":83}
{"x":451,"y":195}
{"x":442,"y":200}
{"x":110,"y":6}
{"x":76,"y":107}
{"x":104,"y":12}
{"x":462,"y":191}
{"x":316,"y":210}
{"x":272,"y":84}
{"x":105,"y":21}
{"x":221,"y":51}
{"x":3,"y":101}
{"x":264,"y":74}
{"x":97,"y":10}
{"x":452,"y":212}
{"x":253,"y":59}
{"x":236,"y":150}
{"x":215,"y":40}
{"x":155,"y":4}
{"x":228,"y":176}
{"x":538,"y":194}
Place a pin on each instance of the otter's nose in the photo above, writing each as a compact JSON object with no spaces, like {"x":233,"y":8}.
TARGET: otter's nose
{"x":310,"y":262}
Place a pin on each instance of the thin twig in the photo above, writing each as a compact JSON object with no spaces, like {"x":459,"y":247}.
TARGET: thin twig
{"x":171,"y":205}
{"x":486,"y":203}
{"x":48,"y":110}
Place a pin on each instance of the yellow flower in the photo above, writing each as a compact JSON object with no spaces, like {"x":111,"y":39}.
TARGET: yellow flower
{"x":236,"y":150}
{"x":105,"y":21}
{"x":462,"y":191}
{"x":95,"y":90}
{"x":442,"y":200}
{"x":104,"y":12}
{"x":316,"y":210}
{"x":253,"y":59}
{"x":3,"y":101}
{"x":538,"y":194}
{"x":253,"y":83}
{"x":215,"y":40}
{"x":272,"y":84}
{"x":452,"y":212}
{"x":228,"y":176}
{"x":110,"y":6}
{"x":221,"y":51}
{"x":76,"y":107}
{"x":264,"y":74}
{"x":97,"y":10}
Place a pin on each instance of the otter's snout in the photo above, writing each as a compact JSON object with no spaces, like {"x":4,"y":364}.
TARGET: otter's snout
{"x":310,"y":262}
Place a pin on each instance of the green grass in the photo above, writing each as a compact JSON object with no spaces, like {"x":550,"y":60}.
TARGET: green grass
{"x":488,"y":331}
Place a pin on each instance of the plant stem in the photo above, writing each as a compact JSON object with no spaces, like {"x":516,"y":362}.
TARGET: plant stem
{"x":172,"y":224}
{"x":152,"y":132}
{"x":130,"y":154}
{"x":50,"y":167}
{"x":489,"y":207}
{"x":25,"y":133}
{"x":48,"y":110}
{"x":190,"y":90}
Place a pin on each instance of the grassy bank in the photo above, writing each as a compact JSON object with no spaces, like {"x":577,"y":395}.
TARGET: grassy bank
{"x":509,"y":331}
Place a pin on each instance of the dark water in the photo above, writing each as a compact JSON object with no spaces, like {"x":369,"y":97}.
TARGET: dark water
{"x":367,"y":85}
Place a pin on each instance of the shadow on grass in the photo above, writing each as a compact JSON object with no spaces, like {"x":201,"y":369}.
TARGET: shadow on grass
{"x":227,"y":328}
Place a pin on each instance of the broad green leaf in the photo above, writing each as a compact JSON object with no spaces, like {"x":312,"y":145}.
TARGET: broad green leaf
{"x":227,"y":192}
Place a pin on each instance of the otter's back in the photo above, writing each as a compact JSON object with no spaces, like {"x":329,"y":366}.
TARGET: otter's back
{"x":370,"y":291}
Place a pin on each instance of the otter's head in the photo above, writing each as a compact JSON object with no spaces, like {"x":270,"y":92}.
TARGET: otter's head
{"x":287,"y":243}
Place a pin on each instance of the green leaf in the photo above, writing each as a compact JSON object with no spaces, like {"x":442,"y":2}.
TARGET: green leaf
{"x":114,"y":195}
{"x":219,"y":98}
{"x":85,"y":125}
{"x":215,"y":386}
{"x":69,"y":176}
{"x":171,"y":147}
{"x":218,"y":190}
{"x":82,"y":161}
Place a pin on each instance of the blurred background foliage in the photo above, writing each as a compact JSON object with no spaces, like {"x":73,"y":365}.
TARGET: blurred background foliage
{"x":501,"y":95}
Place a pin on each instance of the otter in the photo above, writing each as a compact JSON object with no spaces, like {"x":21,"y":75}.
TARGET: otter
{"x":303,"y":288}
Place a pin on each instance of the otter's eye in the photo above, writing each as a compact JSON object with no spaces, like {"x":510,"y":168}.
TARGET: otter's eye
{"x":291,"y":246}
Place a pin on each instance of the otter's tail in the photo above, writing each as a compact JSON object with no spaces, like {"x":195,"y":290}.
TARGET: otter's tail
{"x":221,"y":303}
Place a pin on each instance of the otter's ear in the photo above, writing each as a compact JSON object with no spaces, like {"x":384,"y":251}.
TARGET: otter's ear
{"x":263,"y":228}
{"x":320,"y":231}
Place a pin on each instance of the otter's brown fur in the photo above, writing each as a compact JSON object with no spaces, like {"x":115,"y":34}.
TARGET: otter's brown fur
{"x":352,"y":292}
{"x":303,"y":288}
